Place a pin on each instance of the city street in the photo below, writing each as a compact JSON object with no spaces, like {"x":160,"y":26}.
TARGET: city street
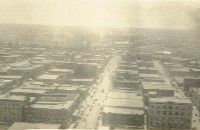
{"x":94,"y":102}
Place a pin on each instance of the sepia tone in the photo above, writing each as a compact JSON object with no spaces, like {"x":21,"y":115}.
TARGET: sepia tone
{"x":99,"y":64}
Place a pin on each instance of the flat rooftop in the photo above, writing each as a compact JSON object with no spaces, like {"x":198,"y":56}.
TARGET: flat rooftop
{"x":157,"y":86}
{"x":125,"y":111}
{"x":123,"y":95}
{"x":49,"y":76}
{"x":64,"y":105}
{"x":26,"y":126}
{"x":20,"y":90}
{"x":13,"y":98}
{"x":124,"y":103}
{"x":61,"y":70}
{"x":171,"y":100}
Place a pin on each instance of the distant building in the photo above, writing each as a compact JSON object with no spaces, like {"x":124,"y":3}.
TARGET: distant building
{"x":126,"y":84}
{"x":6,"y":85}
{"x":170,"y":112}
{"x":126,"y":74}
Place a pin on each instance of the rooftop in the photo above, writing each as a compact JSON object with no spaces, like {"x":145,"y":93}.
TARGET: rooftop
{"x":124,"y":103}
{"x":83,"y":79}
{"x":65,"y":105}
{"x":171,"y":100}
{"x":124,"y":95}
{"x":25,"y":126}
{"x":48,"y":76}
{"x":157,"y":86}
{"x":20,"y":90}
{"x":61,"y":70}
{"x":13,"y":98}
{"x":122,"y":111}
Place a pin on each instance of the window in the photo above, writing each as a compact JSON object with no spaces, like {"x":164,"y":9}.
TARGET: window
{"x":164,"y":113}
{"x":182,"y":109}
{"x":182,"y":113}
{"x":158,"y":112}
{"x":169,"y":112}
{"x":176,"y":113}
{"x":170,"y":107}
{"x":164,"y":107}
{"x":152,"y":112}
{"x":158,"y":107}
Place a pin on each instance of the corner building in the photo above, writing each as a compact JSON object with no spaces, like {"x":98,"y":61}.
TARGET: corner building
{"x":170,"y":112}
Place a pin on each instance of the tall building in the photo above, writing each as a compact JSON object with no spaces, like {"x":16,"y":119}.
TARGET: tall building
{"x":170,"y":112}
{"x":12,"y":108}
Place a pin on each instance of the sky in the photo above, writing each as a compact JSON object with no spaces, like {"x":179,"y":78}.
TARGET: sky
{"x":177,"y":14}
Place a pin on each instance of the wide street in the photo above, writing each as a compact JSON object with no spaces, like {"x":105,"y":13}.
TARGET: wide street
{"x":94,"y":102}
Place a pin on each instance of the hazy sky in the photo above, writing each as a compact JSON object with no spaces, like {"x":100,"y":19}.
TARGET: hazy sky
{"x":109,"y":13}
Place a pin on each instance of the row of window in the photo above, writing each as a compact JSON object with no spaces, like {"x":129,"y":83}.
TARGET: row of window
{"x":180,"y":125}
{"x":10,"y":108}
{"x":9,"y":118}
{"x":12,"y":104}
{"x":44,"y":118}
{"x":169,"y":120}
{"x":170,"y":113}
{"x":183,"y":108}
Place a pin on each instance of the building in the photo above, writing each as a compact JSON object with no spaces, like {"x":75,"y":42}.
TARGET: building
{"x":12,"y":108}
{"x":161,"y":90}
{"x":196,"y":97}
{"x":126,"y":74}
{"x":126,"y":84}
{"x":82,"y":81}
{"x":55,"y":78}
{"x":26,"y":126}
{"x":27,"y":92}
{"x":113,"y":116}
{"x":125,"y":103}
{"x":6,"y":85}
{"x":170,"y":112}
{"x":53,"y":108}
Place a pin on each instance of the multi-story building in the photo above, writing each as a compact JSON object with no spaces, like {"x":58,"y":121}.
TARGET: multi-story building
{"x":196,"y":97}
{"x":53,"y":108}
{"x":12,"y":108}
{"x":170,"y":112}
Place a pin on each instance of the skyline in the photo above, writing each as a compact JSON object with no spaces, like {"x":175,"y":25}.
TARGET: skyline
{"x":94,"y":13}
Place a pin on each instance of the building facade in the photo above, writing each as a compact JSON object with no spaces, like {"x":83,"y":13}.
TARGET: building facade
{"x":170,"y":112}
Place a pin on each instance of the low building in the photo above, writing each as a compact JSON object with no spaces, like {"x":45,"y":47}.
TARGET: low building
{"x":147,"y":70}
{"x":27,"y":92}
{"x":56,"y":78}
{"x":6,"y":85}
{"x":127,"y":84}
{"x":53,"y":108}
{"x":67,"y":72}
{"x":181,"y":72}
{"x":170,"y":112}
{"x":126,"y":75}
{"x":125,"y":103}
{"x":162,"y":90}
{"x":26,"y":126}
{"x":113,"y":116}
{"x":82,"y":81}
